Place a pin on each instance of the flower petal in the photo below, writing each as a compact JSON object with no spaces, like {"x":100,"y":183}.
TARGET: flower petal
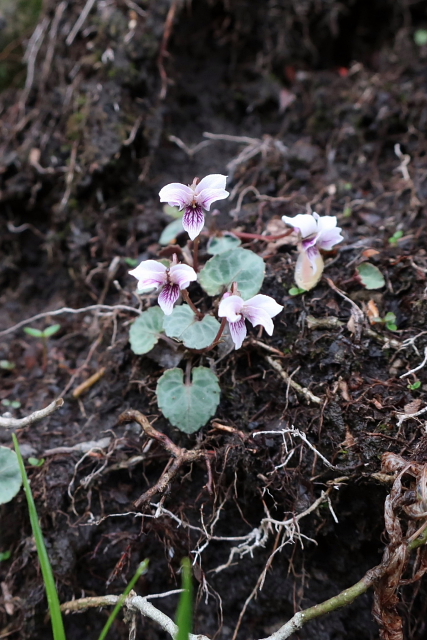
{"x":266,"y":303}
{"x":206,"y":197}
{"x":329,"y":238}
{"x":304,"y":222}
{"x":182,"y":275}
{"x":177,"y":195}
{"x":238,"y":332}
{"x":308,"y":269}
{"x":259,"y":316}
{"x":149,"y":273}
{"x":230,"y":308}
{"x":167,"y":298}
{"x":193,"y":221}
{"x":213,"y":181}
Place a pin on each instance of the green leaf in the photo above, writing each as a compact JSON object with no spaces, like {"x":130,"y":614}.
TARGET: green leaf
{"x":223,"y":243}
{"x":236,"y":265}
{"x":391,"y":326}
{"x":170,"y":232}
{"x":5,"y":555}
{"x":7,"y":365}
{"x":420,"y":37}
{"x":396,"y":237}
{"x":184,"y":616}
{"x":132,"y":262}
{"x":10,"y":475}
{"x":35,"y":333}
{"x":188,"y":406}
{"x":370,"y":276}
{"x":146,"y":330}
{"x":296,"y":291}
{"x":36,"y":462}
{"x":414,"y":385}
{"x":173,"y":212}
{"x":390,"y":317}
{"x":50,"y":331}
{"x":49,"y":580}
{"x":184,"y":325}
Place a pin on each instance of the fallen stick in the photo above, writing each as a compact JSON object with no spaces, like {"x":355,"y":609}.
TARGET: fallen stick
{"x":18,"y":423}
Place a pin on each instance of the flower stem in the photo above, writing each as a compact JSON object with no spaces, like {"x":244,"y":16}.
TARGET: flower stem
{"x":188,"y":300}
{"x":196,"y":243}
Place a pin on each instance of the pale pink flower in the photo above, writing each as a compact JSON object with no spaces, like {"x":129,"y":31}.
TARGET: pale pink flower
{"x":153,"y":274}
{"x":258,"y":310}
{"x":315,"y":232}
{"x":194,"y":199}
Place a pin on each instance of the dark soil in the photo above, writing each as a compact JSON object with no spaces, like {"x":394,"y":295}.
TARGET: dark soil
{"x":85,"y":149}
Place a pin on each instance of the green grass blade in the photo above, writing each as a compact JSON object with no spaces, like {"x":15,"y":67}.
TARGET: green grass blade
{"x":49,"y":581}
{"x":184,"y":616}
{"x":142,"y":568}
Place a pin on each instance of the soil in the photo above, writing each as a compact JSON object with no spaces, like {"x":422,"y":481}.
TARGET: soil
{"x":334,"y":98}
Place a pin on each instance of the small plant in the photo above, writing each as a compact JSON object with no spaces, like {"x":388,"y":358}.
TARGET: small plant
{"x":389,"y":320}
{"x":7,"y":365}
{"x":184,"y":616}
{"x":315,"y":233}
{"x":44,"y":336}
{"x":394,"y":240}
{"x":296,"y":291}
{"x":13,"y":404}
{"x":414,"y":385}
{"x":234,"y":275}
{"x":370,"y":276}
{"x":5,"y":555}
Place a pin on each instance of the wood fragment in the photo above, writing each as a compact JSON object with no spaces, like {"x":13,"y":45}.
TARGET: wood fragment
{"x":310,"y":397}
{"x":88,"y":384}
{"x":18,"y":423}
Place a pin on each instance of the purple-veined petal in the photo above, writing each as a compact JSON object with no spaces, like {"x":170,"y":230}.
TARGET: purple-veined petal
{"x":213,"y":181}
{"x":182,"y":275}
{"x":177,"y":195}
{"x":167,"y":298}
{"x":258,"y":316}
{"x":329,"y":238}
{"x":308,"y":269}
{"x":238,"y":332}
{"x":230,"y":308}
{"x":266,"y":303}
{"x":206,"y":197}
{"x":149,"y":273}
{"x":304,"y":222}
{"x":193,"y":221}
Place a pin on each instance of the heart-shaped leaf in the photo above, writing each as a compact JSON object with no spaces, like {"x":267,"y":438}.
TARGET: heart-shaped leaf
{"x":370,"y":276}
{"x":195,"y":334}
{"x":170,"y":232}
{"x":146,"y":330}
{"x":219,"y":244}
{"x":188,"y":406}
{"x":236,"y":265}
{"x":10,"y":475}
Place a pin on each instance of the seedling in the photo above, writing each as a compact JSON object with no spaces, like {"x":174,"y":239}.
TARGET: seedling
{"x":414,"y":385}
{"x":5,"y":555}
{"x":296,"y":291}
{"x":7,"y":365}
{"x":395,"y":237}
{"x":13,"y":404}
{"x":389,"y":320}
{"x":36,"y":462}
{"x":44,"y":336}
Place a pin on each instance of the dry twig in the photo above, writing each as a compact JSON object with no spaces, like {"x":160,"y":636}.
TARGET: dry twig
{"x":310,"y":397}
{"x":19,"y":423}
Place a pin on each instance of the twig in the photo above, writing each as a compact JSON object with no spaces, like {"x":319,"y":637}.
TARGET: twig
{"x":407,"y":416}
{"x":18,"y":423}
{"x":310,"y":397}
{"x":59,"y":312}
{"x":180,"y":456}
{"x":300,"y":434}
{"x":420,"y":366}
{"x":80,"y":21}
{"x":33,"y":48}
{"x":190,"y":151}
{"x":356,"y":312}
{"x":163,"y":47}
{"x":59,"y":12}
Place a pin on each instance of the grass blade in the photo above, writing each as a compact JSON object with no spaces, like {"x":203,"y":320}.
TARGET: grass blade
{"x":184,"y":616}
{"x":142,"y":568}
{"x":49,"y":580}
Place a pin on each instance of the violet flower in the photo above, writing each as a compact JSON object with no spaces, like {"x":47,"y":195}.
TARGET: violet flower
{"x":153,"y":274}
{"x":194,"y":199}
{"x":315,"y":233}
{"x":258,"y":310}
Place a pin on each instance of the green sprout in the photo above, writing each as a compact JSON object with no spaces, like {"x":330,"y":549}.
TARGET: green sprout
{"x":14,"y":404}
{"x":296,"y":291}
{"x":389,"y":320}
{"x":395,"y":238}
{"x":132,"y":262}
{"x":5,"y":555}
{"x":7,"y":365}
{"x":420,"y":37}
{"x":44,"y":336}
{"x":414,"y":385}
{"x":36,"y":462}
